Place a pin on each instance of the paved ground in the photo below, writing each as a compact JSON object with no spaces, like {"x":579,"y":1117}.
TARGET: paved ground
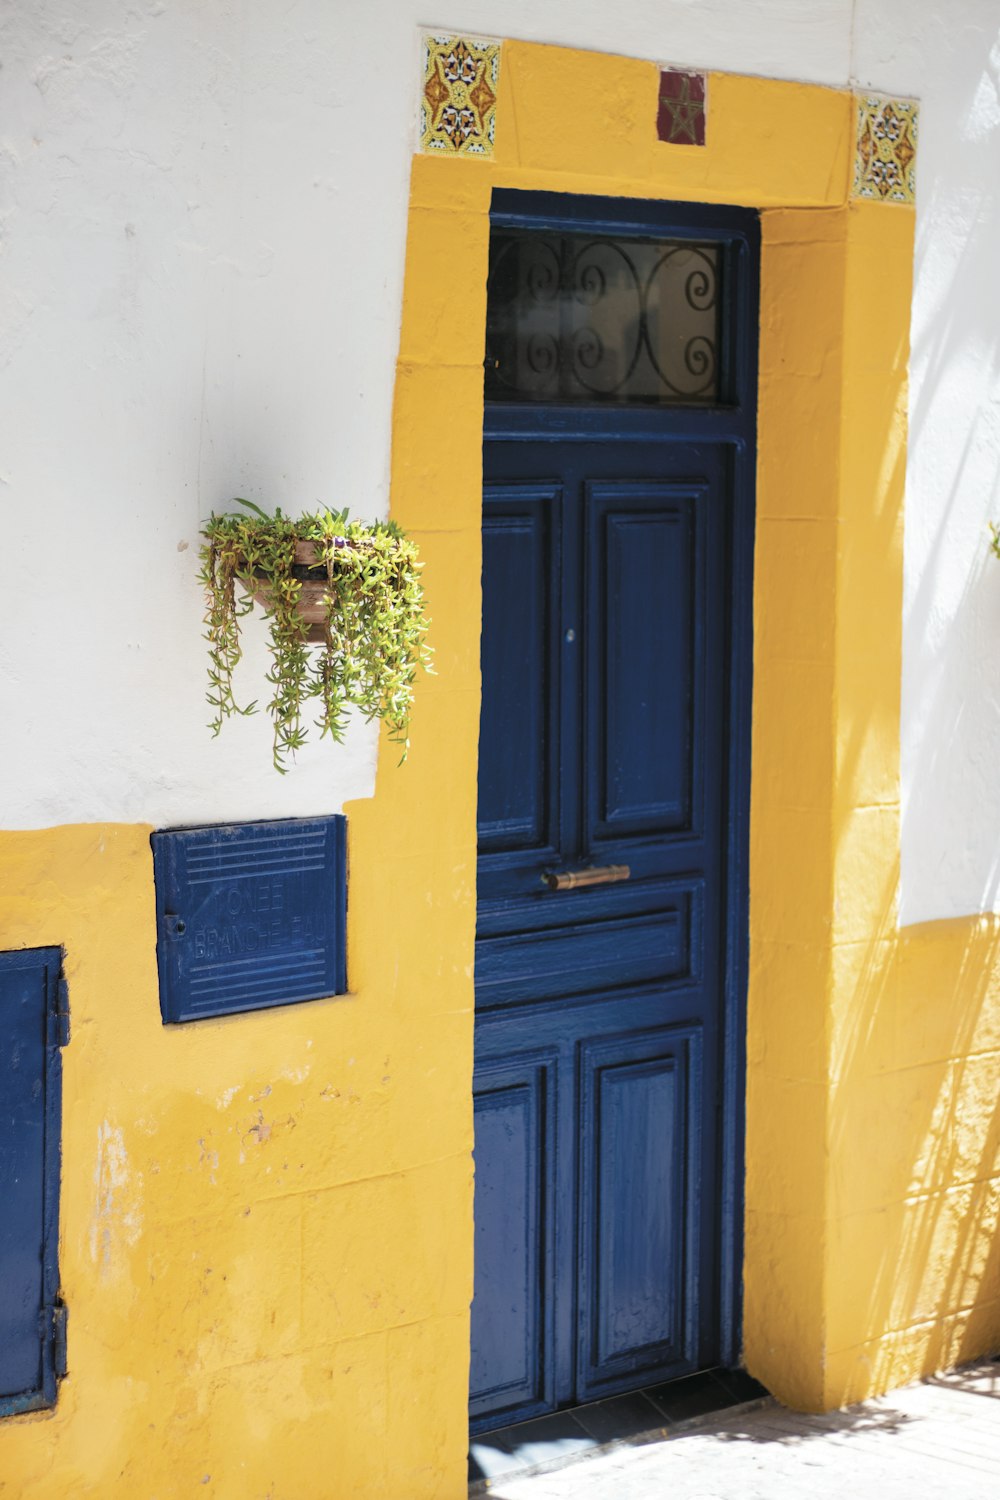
{"x":940,"y":1438}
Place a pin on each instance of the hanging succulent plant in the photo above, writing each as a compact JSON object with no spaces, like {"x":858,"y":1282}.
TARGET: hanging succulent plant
{"x":345,"y":613}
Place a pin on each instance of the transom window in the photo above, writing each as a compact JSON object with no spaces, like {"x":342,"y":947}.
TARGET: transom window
{"x":579,"y":318}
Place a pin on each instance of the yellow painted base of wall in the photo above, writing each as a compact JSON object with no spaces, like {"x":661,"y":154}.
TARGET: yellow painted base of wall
{"x":266,"y":1220}
{"x":915,"y":1159}
{"x":266,"y":1227}
{"x":892,"y":1268}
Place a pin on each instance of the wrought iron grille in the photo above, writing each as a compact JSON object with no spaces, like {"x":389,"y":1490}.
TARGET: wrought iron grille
{"x":579,"y":318}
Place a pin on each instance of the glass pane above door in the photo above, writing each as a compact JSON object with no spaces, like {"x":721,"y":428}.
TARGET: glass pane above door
{"x":594,"y":319}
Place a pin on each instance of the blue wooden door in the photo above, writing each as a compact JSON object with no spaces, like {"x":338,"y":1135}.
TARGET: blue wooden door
{"x":33,"y":1026}
{"x":606,"y":940}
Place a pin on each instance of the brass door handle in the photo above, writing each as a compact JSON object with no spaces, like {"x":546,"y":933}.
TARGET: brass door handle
{"x":572,"y":880}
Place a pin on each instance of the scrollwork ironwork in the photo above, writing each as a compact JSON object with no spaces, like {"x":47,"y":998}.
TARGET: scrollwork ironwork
{"x":575,"y":317}
{"x":543,"y":353}
{"x":697,"y":356}
{"x":599,"y":365}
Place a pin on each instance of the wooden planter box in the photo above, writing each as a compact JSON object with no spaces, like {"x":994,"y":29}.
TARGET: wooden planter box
{"x":312,"y":597}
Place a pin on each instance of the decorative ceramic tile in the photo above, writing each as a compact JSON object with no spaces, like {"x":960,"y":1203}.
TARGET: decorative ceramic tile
{"x":459,"y":95}
{"x":680,"y":118}
{"x":885,"y":158}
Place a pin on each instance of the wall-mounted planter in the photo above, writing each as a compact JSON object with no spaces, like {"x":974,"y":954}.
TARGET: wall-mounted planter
{"x":311,"y":572}
{"x":345,"y":614}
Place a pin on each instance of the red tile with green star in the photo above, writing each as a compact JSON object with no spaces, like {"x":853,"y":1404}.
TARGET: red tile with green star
{"x":681,"y":117}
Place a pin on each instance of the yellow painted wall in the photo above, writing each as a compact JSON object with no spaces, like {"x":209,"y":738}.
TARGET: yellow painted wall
{"x":873,"y":1196}
{"x":266,"y":1221}
{"x":914,"y":1085}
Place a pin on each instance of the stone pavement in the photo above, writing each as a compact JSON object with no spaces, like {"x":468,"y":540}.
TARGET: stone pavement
{"x":939,"y":1438}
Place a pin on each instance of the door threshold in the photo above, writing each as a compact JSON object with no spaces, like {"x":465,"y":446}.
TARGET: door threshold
{"x":562,"y":1437}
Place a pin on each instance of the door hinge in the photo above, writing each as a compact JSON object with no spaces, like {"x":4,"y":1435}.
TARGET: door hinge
{"x":60,"y":1317}
{"x":59,"y":1019}
{"x":52,"y":1323}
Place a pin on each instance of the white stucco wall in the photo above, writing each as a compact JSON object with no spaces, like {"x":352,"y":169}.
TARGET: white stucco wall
{"x":949,"y":55}
{"x":203,"y":244}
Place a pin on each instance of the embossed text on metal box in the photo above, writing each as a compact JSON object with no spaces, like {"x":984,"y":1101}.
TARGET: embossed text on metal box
{"x":249,"y":915}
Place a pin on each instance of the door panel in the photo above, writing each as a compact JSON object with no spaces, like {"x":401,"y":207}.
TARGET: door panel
{"x":640,"y":1180}
{"x":518,"y":809}
{"x":573,"y":959}
{"x":642,"y":542}
{"x":515,"y":1197}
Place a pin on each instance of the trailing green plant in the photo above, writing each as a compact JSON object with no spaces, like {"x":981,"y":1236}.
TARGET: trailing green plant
{"x":367,"y":633}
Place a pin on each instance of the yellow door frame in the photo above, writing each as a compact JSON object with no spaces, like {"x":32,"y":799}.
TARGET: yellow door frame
{"x":836,"y":287}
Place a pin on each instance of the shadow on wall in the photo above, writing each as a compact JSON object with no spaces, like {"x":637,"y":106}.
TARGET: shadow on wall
{"x":914,"y":1132}
{"x":913,"y":1124}
{"x":914,"y":1108}
{"x":951,"y":693}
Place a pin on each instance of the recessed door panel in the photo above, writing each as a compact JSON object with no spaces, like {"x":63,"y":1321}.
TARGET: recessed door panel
{"x":639,"y":1120}
{"x":660,"y":944}
{"x":511,"y":1347}
{"x":520,"y":674}
{"x":643,"y":577}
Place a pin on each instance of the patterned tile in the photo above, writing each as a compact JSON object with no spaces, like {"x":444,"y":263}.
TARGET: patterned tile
{"x":885,"y":158}
{"x":680,"y":118}
{"x":458,"y":95}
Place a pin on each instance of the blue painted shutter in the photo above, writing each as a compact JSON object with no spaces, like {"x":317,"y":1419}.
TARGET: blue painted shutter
{"x":250,"y":915}
{"x":32,"y":1028}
